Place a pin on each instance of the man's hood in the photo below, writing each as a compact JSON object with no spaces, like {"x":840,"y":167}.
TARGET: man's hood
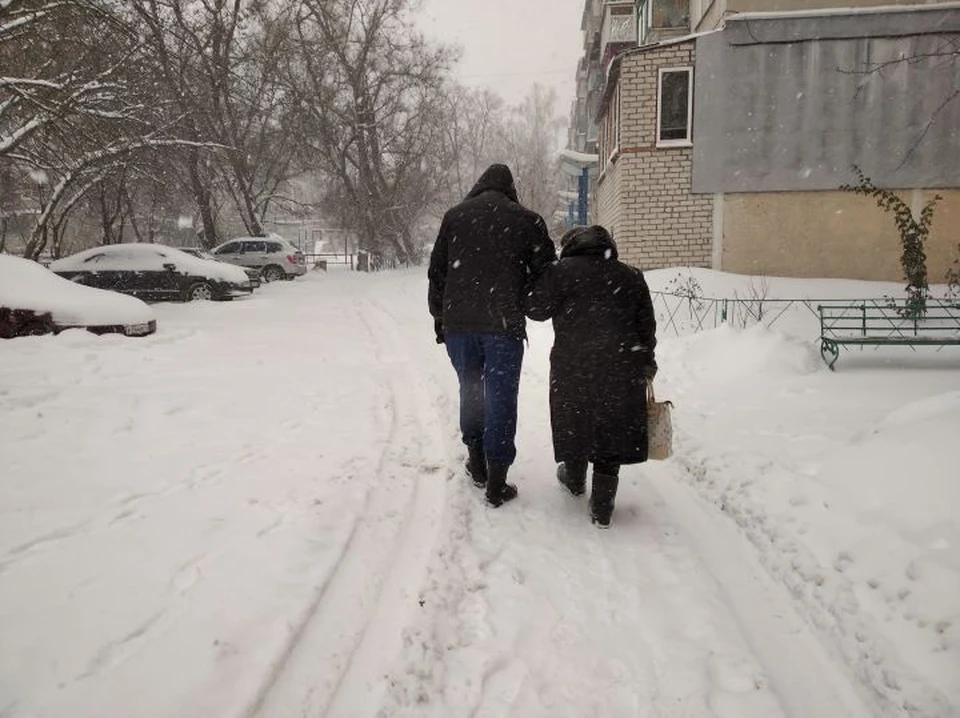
{"x":498,"y":178}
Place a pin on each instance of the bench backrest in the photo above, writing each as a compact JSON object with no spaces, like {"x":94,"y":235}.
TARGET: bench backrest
{"x":889,"y":320}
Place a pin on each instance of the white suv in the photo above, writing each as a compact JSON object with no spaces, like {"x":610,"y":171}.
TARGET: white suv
{"x":273,"y":256}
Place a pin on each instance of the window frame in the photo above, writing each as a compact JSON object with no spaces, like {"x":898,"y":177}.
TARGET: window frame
{"x":688,"y":140}
{"x":608,"y":131}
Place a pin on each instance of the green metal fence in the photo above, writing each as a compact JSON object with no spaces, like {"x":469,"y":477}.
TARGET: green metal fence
{"x":679,"y":315}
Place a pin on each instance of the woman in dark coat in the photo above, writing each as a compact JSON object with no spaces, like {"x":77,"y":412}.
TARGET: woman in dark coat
{"x":602,"y":358}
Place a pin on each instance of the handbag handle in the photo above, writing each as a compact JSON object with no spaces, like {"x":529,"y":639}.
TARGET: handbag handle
{"x":652,"y":398}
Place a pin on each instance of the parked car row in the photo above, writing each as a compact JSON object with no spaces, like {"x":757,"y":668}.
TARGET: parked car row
{"x":153,"y":272}
{"x":70,"y":294}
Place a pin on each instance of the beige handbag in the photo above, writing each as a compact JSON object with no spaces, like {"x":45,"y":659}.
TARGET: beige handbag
{"x":659,"y":427}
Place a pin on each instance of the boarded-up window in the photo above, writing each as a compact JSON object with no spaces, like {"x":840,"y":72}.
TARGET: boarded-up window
{"x":674,"y":106}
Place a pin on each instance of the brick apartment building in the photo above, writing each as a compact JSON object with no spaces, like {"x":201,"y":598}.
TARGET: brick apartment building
{"x":726,"y":147}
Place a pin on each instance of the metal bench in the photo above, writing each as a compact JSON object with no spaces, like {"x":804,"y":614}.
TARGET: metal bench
{"x":884,"y":322}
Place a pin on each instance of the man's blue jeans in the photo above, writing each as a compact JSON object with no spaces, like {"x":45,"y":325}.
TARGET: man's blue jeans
{"x":488,"y":366}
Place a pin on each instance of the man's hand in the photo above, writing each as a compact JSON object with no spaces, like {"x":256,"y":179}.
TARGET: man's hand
{"x":650,"y":370}
{"x":438,"y":329}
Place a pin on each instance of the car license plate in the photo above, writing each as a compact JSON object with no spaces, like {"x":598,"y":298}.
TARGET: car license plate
{"x":134,"y":330}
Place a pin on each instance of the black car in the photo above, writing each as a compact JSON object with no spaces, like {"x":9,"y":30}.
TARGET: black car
{"x":154,"y":272}
{"x":252,"y":274}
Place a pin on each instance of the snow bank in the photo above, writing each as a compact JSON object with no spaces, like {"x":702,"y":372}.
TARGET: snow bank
{"x":27,"y":285}
{"x":846,"y":483}
{"x":728,"y":354}
{"x":147,"y":258}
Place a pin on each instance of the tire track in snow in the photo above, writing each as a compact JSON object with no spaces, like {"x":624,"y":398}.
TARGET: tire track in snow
{"x":336,"y":660}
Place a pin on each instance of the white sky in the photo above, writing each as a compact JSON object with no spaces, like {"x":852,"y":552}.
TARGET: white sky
{"x":510,"y":44}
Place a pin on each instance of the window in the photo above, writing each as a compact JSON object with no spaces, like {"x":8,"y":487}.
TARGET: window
{"x":274,"y":248}
{"x":255,"y":247}
{"x":610,"y":129}
{"x":654,"y":16}
{"x":675,"y":107}
{"x":232,"y":248}
{"x":616,"y":118}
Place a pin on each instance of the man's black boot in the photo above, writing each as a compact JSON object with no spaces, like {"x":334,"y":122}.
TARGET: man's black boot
{"x":476,"y":465}
{"x":498,"y":490}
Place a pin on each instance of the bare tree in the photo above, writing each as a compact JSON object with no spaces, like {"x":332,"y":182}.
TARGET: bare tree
{"x":471,"y":140}
{"x":221,"y":62}
{"x":530,"y":142}
{"x":373,"y":113}
{"x":70,"y":110}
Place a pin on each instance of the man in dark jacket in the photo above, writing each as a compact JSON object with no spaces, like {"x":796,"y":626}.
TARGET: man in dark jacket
{"x":489,"y":247}
{"x":602,"y":357}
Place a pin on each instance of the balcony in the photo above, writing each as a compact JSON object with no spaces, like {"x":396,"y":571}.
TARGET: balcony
{"x":619,"y":24}
{"x":619,"y":30}
{"x":663,"y":19}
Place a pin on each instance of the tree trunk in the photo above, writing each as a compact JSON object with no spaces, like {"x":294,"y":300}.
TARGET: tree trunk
{"x":37,"y":243}
{"x":202,"y":196}
{"x":244,"y":199}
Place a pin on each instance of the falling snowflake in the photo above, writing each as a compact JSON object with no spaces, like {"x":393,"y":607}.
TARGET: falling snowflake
{"x":456,"y":264}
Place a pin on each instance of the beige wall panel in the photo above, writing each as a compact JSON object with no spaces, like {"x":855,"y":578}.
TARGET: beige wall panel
{"x":828,"y":234}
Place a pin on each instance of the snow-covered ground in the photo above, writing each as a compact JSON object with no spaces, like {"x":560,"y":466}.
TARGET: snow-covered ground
{"x":260,"y":511}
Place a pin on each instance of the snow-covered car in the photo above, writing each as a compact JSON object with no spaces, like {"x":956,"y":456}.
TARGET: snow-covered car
{"x":34,"y":300}
{"x":252,"y":274}
{"x":154,"y":272}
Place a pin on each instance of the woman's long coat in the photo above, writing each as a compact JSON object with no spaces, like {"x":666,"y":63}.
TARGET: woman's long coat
{"x":605,"y":334}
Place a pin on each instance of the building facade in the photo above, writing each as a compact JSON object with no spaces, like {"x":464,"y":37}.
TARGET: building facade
{"x":727,"y":148}
{"x":646,"y":161}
